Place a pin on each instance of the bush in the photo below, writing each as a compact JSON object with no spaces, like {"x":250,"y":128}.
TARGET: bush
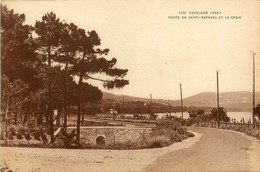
{"x":156,"y":144}
{"x":22,"y":129}
{"x":175,"y":137}
{"x":162,"y":123}
{"x":180,"y":131}
{"x":190,"y":134}
{"x":27,"y":136}
{"x":10,"y":136}
{"x":2,"y":135}
{"x":19,"y":136}
{"x":36,"y":135}
{"x":168,"y":132}
{"x":11,"y":131}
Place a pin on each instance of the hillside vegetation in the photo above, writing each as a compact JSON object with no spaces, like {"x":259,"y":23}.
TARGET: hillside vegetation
{"x":232,"y":101}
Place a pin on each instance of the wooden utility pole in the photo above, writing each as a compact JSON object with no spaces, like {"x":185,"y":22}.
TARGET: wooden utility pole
{"x":181,"y":101}
{"x":253,"y":87}
{"x":123,"y":104}
{"x":170,"y":108}
{"x":150,"y":107}
{"x":217,"y":101}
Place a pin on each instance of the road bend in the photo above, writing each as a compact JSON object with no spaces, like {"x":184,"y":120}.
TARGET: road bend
{"x":217,"y":150}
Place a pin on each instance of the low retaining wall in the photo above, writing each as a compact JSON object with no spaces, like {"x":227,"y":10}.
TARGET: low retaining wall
{"x":111,"y":135}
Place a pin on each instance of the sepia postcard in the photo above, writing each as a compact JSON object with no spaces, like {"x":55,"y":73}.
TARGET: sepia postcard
{"x":130,"y":86}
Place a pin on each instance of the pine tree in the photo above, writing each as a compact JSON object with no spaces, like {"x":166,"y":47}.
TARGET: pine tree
{"x":49,"y":30}
{"x":91,"y":62}
{"x":18,"y":59}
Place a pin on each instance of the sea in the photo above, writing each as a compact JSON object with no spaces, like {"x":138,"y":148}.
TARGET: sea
{"x":235,"y":115}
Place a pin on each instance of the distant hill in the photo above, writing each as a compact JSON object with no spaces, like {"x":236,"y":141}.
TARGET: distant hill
{"x":115,"y":97}
{"x":233,"y":101}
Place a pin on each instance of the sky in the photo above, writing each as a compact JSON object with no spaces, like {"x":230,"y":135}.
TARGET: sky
{"x":161,"y":53}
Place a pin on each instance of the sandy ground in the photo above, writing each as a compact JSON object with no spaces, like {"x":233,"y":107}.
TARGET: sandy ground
{"x":218,"y":150}
{"x":68,"y":160}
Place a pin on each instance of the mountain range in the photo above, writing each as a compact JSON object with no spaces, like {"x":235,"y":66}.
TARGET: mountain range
{"x":232,"y":101}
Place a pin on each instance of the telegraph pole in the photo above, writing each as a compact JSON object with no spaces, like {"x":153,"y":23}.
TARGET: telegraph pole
{"x":150,"y":105}
{"x":253,"y":86}
{"x":170,"y":109}
{"x":123,"y":104}
{"x":217,"y":101}
{"x":181,"y":101}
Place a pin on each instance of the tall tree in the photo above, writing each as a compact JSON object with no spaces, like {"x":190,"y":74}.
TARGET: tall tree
{"x":67,"y":52}
{"x":13,"y":97}
{"x":49,"y":30}
{"x":256,"y":111}
{"x":90,"y":62}
{"x":19,"y":63}
{"x":18,"y":59}
{"x":222,"y":114}
{"x":89,"y":94}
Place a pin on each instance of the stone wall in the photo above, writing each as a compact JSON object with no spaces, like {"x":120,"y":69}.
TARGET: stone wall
{"x":112,"y":135}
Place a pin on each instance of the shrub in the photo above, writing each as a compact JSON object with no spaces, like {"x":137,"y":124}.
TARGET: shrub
{"x":22,"y":129}
{"x":36,"y":135}
{"x":19,"y":136}
{"x":222,"y":114}
{"x":156,"y":144}
{"x":175,"y":138}
{"x":180,"y":131}
{"x":190,"y":134}
{"x":182,"y":137}
{"x":27,"y":136}
{"x":10,"y":136}
{"x":2,"y":135}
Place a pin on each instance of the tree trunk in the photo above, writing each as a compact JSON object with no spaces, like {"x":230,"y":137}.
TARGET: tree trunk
{"x":6,"y":119}
{"x":39,"y":120}
{"x":69,"y":111}
{"x":25,"y":119}
{"x":83,"y":113}
{"x":15,"y":118}
{"x":50,"y":110}
{"x":65,"y":98}
{"x":29,"y":112}
{"x":47,"y":119}
{"x":79,"y":102}
{"x":58,"y":117}
{"x":79,"y":109}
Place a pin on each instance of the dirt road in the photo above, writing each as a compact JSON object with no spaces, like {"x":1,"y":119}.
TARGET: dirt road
{"x":82,"y":160}
{"x":217,"y":150}
{"x":209,"y":150}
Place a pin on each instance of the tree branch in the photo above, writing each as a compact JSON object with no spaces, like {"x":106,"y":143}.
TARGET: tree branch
{"x":97,"y":79}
